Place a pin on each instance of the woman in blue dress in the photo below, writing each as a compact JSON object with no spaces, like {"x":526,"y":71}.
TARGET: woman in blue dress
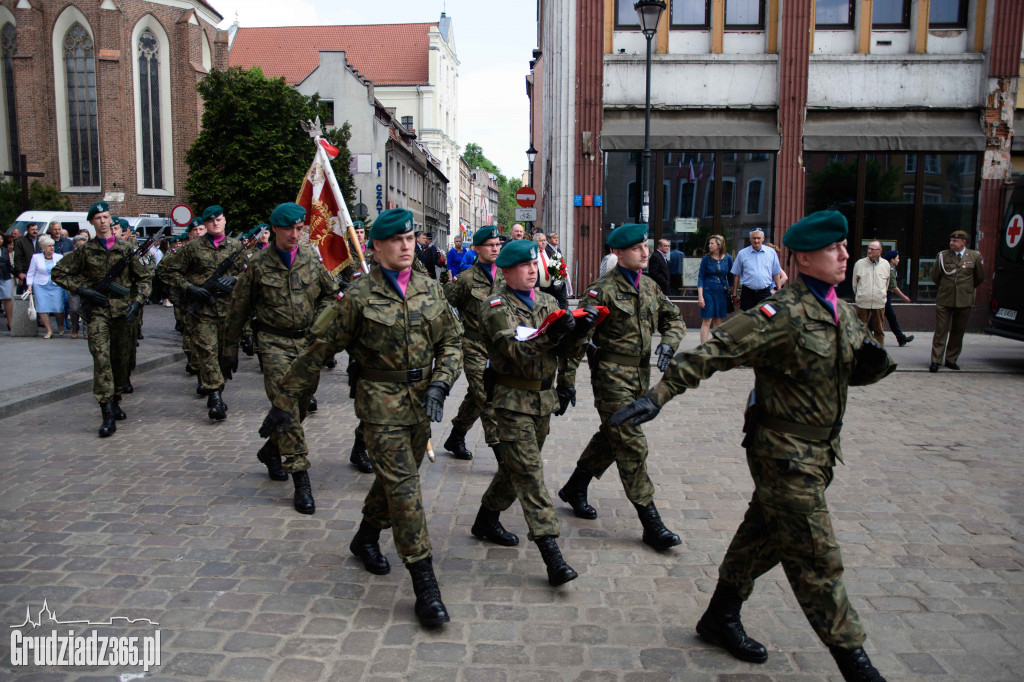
{"x":49,"y":298}
{"x":714,"y":280}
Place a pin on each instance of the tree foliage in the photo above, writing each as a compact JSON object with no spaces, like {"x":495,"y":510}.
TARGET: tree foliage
{"x":41,"y":197}
{"x":507,"y":187}
{"x":251,"y":154}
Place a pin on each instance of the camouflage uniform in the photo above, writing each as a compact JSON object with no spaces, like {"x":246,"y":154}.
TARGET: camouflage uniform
{"x":523,"y":414}
{"x":470,"y":294}
{"x":803,"y":364}
{"x":389,"y":337}
{"x":109,"y":334}
{"x":623,"y":373}
{"x":285,"y":302}
{"x":193,"y":265}
{"x":174,"y":295}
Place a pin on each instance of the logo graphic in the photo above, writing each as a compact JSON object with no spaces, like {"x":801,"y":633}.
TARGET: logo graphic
{"x":85,"y":649}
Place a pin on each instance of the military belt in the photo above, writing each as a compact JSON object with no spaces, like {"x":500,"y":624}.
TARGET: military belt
{"x":398,"y":376}
{"x":797,"y":429}
{"x":525,"y":384}
{"x":473,"y":336}
{"x":287,"y":333}
{"x":628,"y":360}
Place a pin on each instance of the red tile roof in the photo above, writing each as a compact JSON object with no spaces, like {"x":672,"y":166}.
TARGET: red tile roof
{"x":387,"y":54}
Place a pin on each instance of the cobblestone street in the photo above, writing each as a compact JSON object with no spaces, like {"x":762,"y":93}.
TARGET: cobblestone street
{"x":174,"y":520}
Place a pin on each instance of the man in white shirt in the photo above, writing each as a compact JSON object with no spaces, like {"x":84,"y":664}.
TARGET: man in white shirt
{"x":870,"y":284}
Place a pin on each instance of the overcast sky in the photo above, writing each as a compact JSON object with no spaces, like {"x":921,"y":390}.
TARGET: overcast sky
{"x":494,"y":42}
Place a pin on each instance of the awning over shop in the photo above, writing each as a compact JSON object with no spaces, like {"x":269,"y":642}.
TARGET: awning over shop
{"x":686,"y":129}
{"x":893,"y":131}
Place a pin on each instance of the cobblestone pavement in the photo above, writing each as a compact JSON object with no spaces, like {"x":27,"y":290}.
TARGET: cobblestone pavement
{"x":174,"y":520}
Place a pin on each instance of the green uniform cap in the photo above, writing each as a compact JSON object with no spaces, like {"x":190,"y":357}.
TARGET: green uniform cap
{"x":196,"y":222}
{"x":287,"y":214}
{"x":959,"y":234}
{"x":516,"y":252}
{"x":358,"y":225}
{"x":625,"y":236}
{"x":816,"y":231}
{"x":484,"y":233}
{"x":98,"y":207}
{"x":212,"y":212}
{"x":391,"y":222}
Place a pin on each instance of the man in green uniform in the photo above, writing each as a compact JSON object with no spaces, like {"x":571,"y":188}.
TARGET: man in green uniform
{"x":523,"y":399}
{"x":198,"y":260}
{"x":621,"y":373}
{"x":110,"y":313}
{"x":122,"y":230}
{"x":806,"y":348}
{"x":285,"y":287}
{"x":957,"y":272}
{"x":397,"y":325}
{"x":469,"y":294}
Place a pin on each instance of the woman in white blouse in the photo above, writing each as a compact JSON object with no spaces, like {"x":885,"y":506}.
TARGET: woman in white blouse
{"x":49,"y":298}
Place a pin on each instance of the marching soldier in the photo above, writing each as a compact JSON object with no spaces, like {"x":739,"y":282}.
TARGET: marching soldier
{"x":469,"y":294}
{"x":621,"y":373}
{"x":524,"y":397}
{"x":397,"y":325}
{"x":194,"y":266}
{"x":286,"y":287}
{"x":110,"y":313}
{"x":957,"y":272}
{"x":806,"y":347}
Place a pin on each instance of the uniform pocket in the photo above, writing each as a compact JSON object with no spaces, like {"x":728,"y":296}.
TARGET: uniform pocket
{"x":381,"y":314}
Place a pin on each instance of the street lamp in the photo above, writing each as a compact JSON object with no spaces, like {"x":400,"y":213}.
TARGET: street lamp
{"x":531,"y":156}
{"x":649,"y":14}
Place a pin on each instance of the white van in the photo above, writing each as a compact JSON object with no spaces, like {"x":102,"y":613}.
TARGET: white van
{"x":72,"y":221}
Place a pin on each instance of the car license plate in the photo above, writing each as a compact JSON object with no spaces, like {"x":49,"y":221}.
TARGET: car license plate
{"x":1006,"y":314}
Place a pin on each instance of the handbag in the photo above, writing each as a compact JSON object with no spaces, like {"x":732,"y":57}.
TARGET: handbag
{"x":31,"y":307}
{"x":730,"y":306}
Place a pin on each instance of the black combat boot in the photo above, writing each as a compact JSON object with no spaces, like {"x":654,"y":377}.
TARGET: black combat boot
{"x":218,"y":410}
{"x":358,"y":457}
{"x":313,"y":405}
{"x":429,"y":607}
{"x":303,"y":499}
{"x":269,"y":455}
{"x":559,"y":572}
{"x":200,"y":389}
{"x":655,"y":533}
{"x":488,"y":527}
{"x":128,"y":388}
{"x":330,"y":363}
{"x":456,"y":444}
{"x":574,"y":493}
{"x":189,"y":369}
{"x":855,"y":665}
{"x":721,"y":625}
{"x":109,"y":425}
{"x":115,"y":407}
{"x":366,"y":547}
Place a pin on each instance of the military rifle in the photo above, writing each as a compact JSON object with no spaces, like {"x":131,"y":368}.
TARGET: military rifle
{"x":213,"y":284}
{"x":108,"y":286}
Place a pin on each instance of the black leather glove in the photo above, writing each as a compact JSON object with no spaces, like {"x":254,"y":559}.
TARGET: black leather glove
{"x":247,"y":344}
{"x":664,"y":353}
{"x":433,"y":400}
{"x":639,"y":411}
{"x":566,"y":395}
{"x":133,"y":311}
{"x":871,"y":356}
{"x":274,"y":421}
{"x":563,"y":325}
{"x":228,"y":365}
{"x":200,"y":294}
{"x":92,"y":296}
{"x":585,"y":323}
{"x":227,"y":283}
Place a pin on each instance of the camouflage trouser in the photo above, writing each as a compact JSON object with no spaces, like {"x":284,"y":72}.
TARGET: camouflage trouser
{"x":207,"y":345}
{"x":474,"y":360}
{"x":109,"y":339}
{"x":788,"y":522}
{"x":180,"y":315}
{"x":133,"y":348}
{"x":521,"y":472}
{"x":394,"y":500}
{"x":289,"y":441}
{"x":624,"y":445}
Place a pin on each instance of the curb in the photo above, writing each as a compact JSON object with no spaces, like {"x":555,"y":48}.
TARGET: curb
{"x":72,"y":384}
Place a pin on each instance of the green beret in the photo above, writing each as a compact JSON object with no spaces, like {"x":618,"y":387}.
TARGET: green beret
{"x":625,"y":236}
{"x":391,"y":222}
{"x":196,"y":222}
{"x":98,"y":207}
{"x":816,"y":231}
{"x":516,"y":252}
{"x":359,"y":225}
{"x":287,"y":214}
{"x":212,"y":212}
{"x":124,"y":224}
{"x":959,"y":234}
{"x":484,"y":233}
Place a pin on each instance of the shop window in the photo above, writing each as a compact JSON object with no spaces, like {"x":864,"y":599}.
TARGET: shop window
{"x":691,"y":14}
{"x":931,"y":164}
{"x":911,"y":166}
{"x":833,"y":14}
{"x":728,"y":196}
{"x":891,"y":14}
{"x":754,"y":196}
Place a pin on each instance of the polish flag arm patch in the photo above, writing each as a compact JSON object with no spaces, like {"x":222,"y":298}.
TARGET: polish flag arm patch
{"x":768,"y":310}
{"x":592,"y":293}
{"x":495,"y":302}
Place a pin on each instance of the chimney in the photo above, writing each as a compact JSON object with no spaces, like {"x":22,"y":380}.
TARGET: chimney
{"x":369,"y":89}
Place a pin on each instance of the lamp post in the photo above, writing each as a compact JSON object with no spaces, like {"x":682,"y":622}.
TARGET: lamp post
{"x":649,"y":13}
{"x":531,"y":156}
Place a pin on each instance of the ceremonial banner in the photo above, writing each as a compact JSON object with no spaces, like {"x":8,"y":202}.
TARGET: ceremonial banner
{"x":322,"y":200}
